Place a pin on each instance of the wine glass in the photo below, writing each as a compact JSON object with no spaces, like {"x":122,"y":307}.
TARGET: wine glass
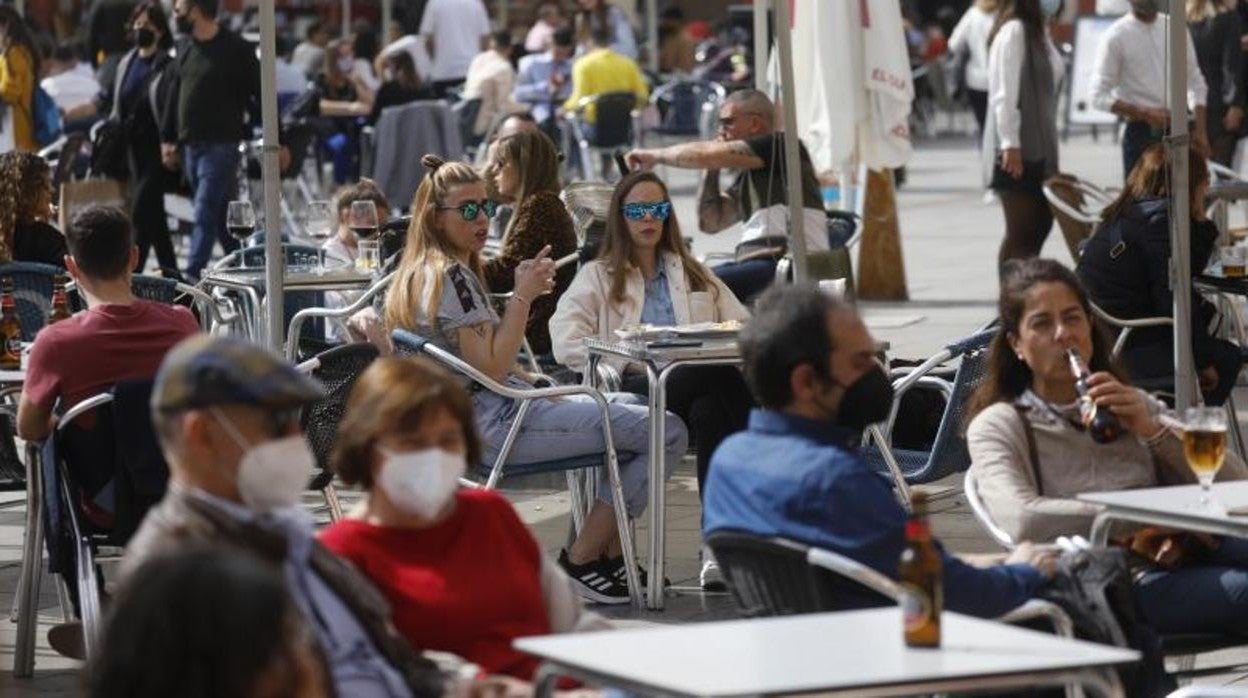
{"x":363,"y":219}
{"x":319,"y":225}
{"x":1204,"y":444}
{"x":240,"y":220}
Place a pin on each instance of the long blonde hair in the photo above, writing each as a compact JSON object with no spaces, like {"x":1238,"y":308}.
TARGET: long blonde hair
{"x":536,"y":162}
{"x":617,"y":247}
{"x":417,"y":285}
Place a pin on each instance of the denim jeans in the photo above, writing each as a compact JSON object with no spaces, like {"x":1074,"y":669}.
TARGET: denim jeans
{"x":747,"y":279}
{"x":1137,"y":136}
{"x":1205,"y":597}
{"x":212,"y":171}
{"x":572,"y":426}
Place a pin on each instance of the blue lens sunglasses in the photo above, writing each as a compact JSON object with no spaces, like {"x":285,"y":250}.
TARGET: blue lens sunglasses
{"x":658,"y":210}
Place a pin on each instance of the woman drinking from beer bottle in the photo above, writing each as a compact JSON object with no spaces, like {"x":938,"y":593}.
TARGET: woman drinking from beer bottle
{"x":1032,"y":454}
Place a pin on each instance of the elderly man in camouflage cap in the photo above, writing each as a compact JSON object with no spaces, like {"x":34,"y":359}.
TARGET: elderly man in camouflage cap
{"x":226,"y":413}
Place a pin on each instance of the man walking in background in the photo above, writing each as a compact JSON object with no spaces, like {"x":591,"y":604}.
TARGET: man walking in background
{"x":216,"y":85}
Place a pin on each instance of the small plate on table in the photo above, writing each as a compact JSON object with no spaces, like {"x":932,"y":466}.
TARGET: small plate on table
{"x":701,"y":330}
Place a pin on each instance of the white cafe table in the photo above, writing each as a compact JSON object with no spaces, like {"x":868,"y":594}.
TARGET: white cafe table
{"x":857,"y":653}
{"x":1176,"y":507}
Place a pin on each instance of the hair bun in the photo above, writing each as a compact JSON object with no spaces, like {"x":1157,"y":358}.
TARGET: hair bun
{"x":432,"y":162}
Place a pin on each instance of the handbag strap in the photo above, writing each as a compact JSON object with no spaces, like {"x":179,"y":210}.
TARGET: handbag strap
{"x":1033,"y":455}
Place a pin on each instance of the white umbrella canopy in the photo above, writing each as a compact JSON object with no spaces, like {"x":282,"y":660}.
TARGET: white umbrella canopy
{"x":851,"y":60}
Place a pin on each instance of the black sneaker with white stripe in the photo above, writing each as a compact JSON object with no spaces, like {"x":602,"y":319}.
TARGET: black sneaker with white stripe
{"x":594,"y":582}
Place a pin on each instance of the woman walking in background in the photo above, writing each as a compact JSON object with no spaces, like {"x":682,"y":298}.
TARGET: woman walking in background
{"x":1020,"y":135}
{"x":970,"y":38}
{"x":19,"y":72}
{"x":1215,"y":31}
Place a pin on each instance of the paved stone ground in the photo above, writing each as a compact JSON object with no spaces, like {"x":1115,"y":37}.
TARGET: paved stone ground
{"x":950,"y":237}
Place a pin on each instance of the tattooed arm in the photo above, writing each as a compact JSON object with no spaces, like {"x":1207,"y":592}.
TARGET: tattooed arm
{"x":701,"y":155}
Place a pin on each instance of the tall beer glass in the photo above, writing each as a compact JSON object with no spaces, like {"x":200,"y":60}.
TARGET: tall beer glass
{"x":1204,"y":444}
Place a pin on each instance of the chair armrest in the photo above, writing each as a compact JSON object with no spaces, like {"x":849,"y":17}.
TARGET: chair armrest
{"x":1038,"y":609}
{"x":1066,"y":209}
{"x":85,"y":406}
{"x":296,"y":322}
{"x":852,"y":569}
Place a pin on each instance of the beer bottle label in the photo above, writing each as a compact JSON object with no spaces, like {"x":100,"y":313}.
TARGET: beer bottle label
{"x":1087,"y":410}
{"x":916,"y":607}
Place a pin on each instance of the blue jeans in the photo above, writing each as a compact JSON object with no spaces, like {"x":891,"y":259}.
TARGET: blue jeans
{"x":212,"y":171}
{"x":1137,"y":136}
{"x":1206,"y":597}
{"x":572,"y":426}
{"x":747,"y":279}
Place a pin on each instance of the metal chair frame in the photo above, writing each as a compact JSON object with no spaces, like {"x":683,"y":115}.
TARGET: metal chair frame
{"x":922,"y":375}
{"x":336,"y":314}
{"x":714,"y":97}
{"x":87,"y":556}
{"x":579,"y":123}
{"x":525,"y":397}
{"x":211,"y":316}
{"x":1125,"y":328}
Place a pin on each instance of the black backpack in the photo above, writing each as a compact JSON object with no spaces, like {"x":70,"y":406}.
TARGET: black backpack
{"x":1094,"y":587}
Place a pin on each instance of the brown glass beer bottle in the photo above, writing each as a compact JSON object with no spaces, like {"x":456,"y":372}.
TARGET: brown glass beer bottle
{"x":920,"y":575}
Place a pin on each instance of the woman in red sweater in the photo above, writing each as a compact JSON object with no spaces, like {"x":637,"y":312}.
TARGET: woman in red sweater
{"x":460,"y":569}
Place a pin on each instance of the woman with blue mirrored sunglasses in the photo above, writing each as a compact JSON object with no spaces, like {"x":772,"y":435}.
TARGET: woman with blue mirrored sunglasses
{"x":645,"y":274}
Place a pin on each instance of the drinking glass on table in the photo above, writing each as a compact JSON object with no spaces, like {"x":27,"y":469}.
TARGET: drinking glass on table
{"x":319,"y":225}
{"x":240,"y":220}
{"x":369,"y":258}
{"x":1204,"y":444}
{"x":1232,"y":258}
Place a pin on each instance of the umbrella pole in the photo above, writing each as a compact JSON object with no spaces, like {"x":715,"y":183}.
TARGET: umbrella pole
{"x":760,"y":44}
{"x":652,"y":35}
{"x":274,"y":259}
{"x":346,"y":18}
{"x":792,"y":144}
{"x":387,"y":9}
{"x":1180,"y":207}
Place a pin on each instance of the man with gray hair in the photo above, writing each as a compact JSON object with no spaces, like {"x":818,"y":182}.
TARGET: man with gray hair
{"x":749,"y":143}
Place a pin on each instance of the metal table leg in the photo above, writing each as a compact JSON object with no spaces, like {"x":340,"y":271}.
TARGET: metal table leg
{"x":32,"y":566}
{"x":658,"y":498}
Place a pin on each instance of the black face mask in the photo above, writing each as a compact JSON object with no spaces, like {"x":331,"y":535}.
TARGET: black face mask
{"x":144,"y":37}
{"x":183,"y":23}
{"x":866,"y":401}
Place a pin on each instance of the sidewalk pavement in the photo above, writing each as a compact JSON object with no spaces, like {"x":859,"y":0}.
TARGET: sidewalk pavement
{"x":950,"y":239}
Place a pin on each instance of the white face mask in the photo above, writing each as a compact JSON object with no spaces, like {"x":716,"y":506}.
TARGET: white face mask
{"x":272,"y":474}
{"x":1050,"y":7}
{"x":345,"y":64}
{"x":421,"y":483}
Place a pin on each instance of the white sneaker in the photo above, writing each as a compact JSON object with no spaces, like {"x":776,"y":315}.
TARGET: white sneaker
{"x":711,"y":578}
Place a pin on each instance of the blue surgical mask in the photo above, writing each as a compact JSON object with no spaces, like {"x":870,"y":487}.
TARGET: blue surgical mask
{"x":1050,"y":8}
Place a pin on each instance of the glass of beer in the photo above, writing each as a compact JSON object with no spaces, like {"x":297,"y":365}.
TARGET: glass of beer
{"x":1232,"y":257}
{"x":1204,"y":444}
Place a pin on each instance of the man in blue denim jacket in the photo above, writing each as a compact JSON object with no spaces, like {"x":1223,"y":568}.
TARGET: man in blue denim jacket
{"x":795,"y":473}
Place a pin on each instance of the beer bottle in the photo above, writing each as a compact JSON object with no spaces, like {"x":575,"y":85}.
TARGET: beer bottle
{"x":11,"y":356}
{"x":1102,"y":425}
{"x":921,"y":580}
{"x":60,"y":303}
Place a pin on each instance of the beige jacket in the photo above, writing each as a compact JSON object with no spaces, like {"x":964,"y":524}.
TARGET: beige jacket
{"x":585,"y":310}
{"x":1070,"y":464}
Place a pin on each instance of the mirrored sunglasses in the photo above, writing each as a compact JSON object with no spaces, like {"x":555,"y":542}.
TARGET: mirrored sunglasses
{"x":470,"y":209}
{"x":658,"y":210}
